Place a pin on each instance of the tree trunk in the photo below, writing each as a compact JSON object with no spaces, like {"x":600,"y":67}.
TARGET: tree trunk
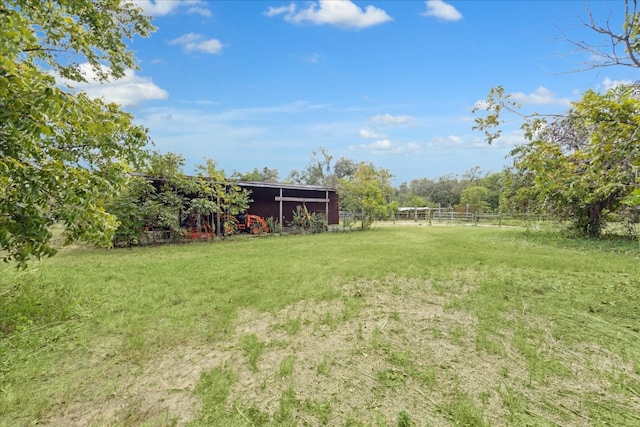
{"x":594,"y":226}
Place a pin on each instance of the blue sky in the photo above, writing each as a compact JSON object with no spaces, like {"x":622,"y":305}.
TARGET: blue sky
{"x":265,"y":82}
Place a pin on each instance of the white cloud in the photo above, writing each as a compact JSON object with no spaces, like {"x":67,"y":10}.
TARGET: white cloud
{"x":542,"y":96}
{"x":442,"y":10}
{"x":196,"y":42}
{"x":607,"y":83}
{"x":199,"y":11}
{"x":448,"y":141}
{"x":166,"y":7}
{"x":370,"y":134}
{"x":437,"y":144}
{"x":127,"y":91}
{"x":388,"y":119}
{"x":340,"y":13}
{"x":314,"y":58}
{"x":388,"y":147}
{"x":275,"y":11}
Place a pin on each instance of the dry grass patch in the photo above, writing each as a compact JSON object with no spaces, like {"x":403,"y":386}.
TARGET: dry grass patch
{"x":387,"y":352}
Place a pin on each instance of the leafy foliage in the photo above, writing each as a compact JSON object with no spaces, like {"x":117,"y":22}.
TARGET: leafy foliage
{"x":320,"y":171}
{"x":264,"y":175}
{"x":584,"y":164}
{"x":448,"y":190}
{"x":61,"y":151}
{"x":367,"y":193}
{"x":476,"y":197}
{"x":309,"y":221}
{"x":165,"y":199}
{"x":215,"y":194}
{"x":273,"y":225}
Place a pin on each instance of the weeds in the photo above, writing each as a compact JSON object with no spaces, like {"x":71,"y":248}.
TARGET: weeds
{"x":252,"y":347}
{"x":286,"y":366}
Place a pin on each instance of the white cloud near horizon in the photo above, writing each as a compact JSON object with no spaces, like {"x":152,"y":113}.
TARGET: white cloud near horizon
{"x":238,"y":114}
{"x":193,"y":42}
{"x":607,"y":83}
{"x":437,"y":144}
{"x":442,"y":10}
{"x":388,"y":119}
{"x":130,"y":90}
{"x":541,"y":96}
{"x":339,"y":13}
{"x":386,"y":146}
{"x":166,"y":7}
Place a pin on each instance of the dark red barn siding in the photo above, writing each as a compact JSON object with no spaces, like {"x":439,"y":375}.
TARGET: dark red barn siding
{"x":266,"y":204}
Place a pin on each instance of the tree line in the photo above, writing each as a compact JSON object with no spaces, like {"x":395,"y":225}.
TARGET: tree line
{"x":66,"y":158}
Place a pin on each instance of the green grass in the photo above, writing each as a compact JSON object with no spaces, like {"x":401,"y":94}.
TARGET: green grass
{"x":85,"y":325}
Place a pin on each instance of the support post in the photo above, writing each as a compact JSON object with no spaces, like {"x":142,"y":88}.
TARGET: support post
{"x":327,"y":205}
{"x":280,"y":217}
{"x":218,"y":229}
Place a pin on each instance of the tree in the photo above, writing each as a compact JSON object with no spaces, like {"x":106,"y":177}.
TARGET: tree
{"x":623,"y":47}
{"x":446,"y":191}
{"x":216,"y":195}
{"x":583,"y":164}
{"x":343,"y":168}
{"x":143,"y":204}
{"x":60,"y":151}
{"x":367,"y":193}
{"x":264,"y":175}
{"x":422,"y":188}
{"x":494,"y":183}
{"x":164,"y":198}
{"x":475,"y":196}
{"x":317,"y":172}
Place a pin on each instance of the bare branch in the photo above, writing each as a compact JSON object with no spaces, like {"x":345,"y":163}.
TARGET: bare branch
{"x":627,"y":40}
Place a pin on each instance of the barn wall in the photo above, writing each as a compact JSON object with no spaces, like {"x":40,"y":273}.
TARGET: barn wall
{"x":265,"y":204}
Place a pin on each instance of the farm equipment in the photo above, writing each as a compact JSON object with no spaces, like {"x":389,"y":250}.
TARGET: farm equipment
{"x":202,"y":232}
{"x":249,"y":223}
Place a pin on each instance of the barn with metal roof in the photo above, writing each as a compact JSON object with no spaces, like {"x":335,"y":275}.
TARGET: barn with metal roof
{"x":280,"y":200}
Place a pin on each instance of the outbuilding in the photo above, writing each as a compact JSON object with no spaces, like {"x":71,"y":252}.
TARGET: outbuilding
{"x":280,"y":200}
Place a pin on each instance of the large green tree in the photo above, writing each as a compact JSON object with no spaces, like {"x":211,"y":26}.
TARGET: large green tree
{"x":216,"y":195}
{"x":583,"y":164}
{"x":367,"y":192}
{"x":60,"y":151}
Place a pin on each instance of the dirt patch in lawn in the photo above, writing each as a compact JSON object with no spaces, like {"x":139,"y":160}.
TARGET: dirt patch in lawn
{"x":386,"y":349}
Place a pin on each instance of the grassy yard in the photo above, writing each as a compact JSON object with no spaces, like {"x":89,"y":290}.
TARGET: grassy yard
{"x":398,"y":326}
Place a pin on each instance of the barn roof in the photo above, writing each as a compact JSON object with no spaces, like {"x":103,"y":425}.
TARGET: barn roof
{"x":257,"y":184}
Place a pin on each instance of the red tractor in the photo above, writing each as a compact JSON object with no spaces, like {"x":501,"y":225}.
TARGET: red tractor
{"x":249,"y":223}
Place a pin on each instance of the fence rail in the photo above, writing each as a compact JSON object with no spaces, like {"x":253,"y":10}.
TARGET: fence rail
{"x":448,"y":215}
{"x":436,"y":215}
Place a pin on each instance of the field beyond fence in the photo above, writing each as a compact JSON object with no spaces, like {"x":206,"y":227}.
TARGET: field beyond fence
{"x":398,"y":326}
